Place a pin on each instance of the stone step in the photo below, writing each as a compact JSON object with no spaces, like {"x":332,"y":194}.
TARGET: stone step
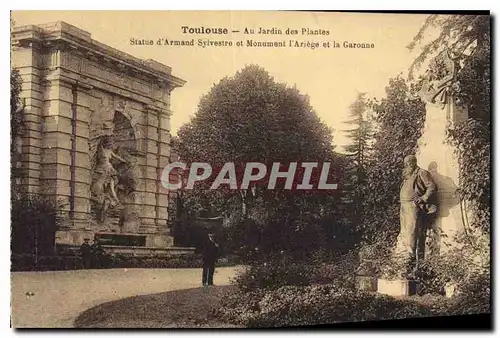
{"x":397,"y":288}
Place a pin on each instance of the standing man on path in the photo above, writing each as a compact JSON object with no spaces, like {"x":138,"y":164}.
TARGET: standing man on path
{"x":210,"y":254}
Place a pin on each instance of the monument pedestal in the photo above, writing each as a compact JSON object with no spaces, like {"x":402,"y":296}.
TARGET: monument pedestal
{"x":438,"y":157}
{"x":397,"y":288}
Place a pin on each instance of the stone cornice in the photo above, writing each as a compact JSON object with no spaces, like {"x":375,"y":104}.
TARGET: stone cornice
{"x":158,"y":110}
{"x":81,"y":81}
{"x":63,"y":35}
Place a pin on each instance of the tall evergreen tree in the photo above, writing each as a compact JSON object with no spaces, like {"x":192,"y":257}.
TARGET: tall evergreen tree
{"x":360,"y":135}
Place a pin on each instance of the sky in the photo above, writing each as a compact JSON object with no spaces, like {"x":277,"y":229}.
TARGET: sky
{"x":331,"y":77}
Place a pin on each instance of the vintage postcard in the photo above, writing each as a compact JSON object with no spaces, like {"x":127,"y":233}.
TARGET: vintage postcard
{"x":243,"y":169}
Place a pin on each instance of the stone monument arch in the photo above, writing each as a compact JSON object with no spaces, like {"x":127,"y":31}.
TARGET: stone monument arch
{"x":97,"y":134}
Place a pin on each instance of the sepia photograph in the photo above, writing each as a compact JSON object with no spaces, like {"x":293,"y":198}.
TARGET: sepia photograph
{"x":250,"y":169}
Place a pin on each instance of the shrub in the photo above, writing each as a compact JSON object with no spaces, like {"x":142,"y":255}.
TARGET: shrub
{"x":467,"y":265}
{"x":175,"y":262}
{"x":278,"y":270}
{"x":313,"y":305}
{"x":475,"y":296}
{"x":238,"y":307}
{"x":35,"y":220}
{"x":273,"y":272}
{"x":28,"y":262}
{"x":341,"y":271}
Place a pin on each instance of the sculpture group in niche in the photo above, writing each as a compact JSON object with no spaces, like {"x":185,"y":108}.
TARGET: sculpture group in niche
{"x":106,"y":174}
{"x":115,"y":174}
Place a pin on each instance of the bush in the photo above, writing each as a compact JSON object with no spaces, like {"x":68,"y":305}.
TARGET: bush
{"x":239,"y":307}
{"x":341,"y":271}
{"x":279,"y":291}
{"x":472,"y":142}
{"x":28,"y":262}
{"x":175,"y":262}
{"x":35,"y":220}
{"x":313,"y":305}
{"x":273,"y":272}
{"x":475,"y":297}
{"x":330,"y":303}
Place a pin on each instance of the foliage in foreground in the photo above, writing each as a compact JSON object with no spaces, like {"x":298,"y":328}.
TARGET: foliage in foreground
{"x":279,"y":270}
{"x":35,"y":220}
{"x":27,"y":262}
{"x":313,"y":305}
{"x":329,"y":304}
{"x":280,"y":292}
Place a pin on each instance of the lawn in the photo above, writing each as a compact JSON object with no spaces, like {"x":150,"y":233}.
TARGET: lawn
{"x":193,"y":308}
{"x":176,"y":309}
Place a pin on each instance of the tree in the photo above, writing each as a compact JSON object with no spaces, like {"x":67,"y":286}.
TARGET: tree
{"x":16,"y":127}
{"x":467,"y":37}
{"x":34,"y":219}
{"x":400,"y":118}
{"x":361,"y":136}
{"x":251,"y":118}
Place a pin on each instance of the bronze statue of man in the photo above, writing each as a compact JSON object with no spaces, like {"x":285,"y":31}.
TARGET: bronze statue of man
{"x":416,"y":194}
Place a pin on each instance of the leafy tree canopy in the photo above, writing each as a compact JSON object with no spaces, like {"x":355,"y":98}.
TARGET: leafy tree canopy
{"x":250,"y":117}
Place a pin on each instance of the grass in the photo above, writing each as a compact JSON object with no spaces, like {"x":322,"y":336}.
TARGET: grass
{"x":176,"y":309}
{"x":189,"y":308}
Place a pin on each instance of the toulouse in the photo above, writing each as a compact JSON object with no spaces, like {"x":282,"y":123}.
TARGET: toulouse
{"x":203,"y":30}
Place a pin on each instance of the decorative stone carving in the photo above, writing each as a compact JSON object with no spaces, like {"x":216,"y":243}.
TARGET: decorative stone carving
{"x":101,"y":118}
{"x":129,"y":176}
{"x":128,"y":172}
{"x":115,"y":171}
{"x":122,"y":105}
{"x":105,"y":177}
{"x":438,"y":89}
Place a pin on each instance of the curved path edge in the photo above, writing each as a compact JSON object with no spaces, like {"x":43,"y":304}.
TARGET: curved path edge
{"x":59,"y":297}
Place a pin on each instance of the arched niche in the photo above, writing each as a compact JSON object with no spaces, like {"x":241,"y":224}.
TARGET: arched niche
{"x":124,"y":134}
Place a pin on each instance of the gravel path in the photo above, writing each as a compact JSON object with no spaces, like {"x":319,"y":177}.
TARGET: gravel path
{"x":61,"y":296}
